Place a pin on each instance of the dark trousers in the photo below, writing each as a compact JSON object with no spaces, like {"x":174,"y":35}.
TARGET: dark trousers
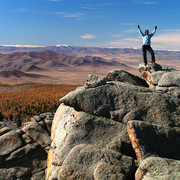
{"x":146,"y":48}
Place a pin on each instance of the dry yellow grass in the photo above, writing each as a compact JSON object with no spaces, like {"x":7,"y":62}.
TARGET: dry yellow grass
{"x":31,"y":99}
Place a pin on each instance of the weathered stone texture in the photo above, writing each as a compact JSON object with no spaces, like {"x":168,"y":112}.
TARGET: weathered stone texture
{"x":93,"y":124}
{"x":123,"y":76}
{"x":9,"y":142}
{"x":92,"y":134}
{"x":158,"y":168}
{"x":154,"y":140}
{"x":23,"y":153}
{"x":123,"y":102}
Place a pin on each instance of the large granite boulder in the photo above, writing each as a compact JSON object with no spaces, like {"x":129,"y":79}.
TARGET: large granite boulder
{"x":156,"y":76}
{"x":126,"y":77}
{"x":170,"y":83}
{"x":23,"y":152}
{"x":83,"y":143}
{"x":123,"y":102}
{"x":92,"y":162}
{"x":158,"y":168}
{"x":154,"y":140}
{"x":157,"y":149}
{"x":151,"y":67}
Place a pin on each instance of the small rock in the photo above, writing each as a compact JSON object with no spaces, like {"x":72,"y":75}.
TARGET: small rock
{"x":13,"y":173}
{"x":48,"y":124}
{"x":27,"y":138}
{"x":94,"y":81}
{"x":36,"y":118}
{"x":38,"y":134}
{"x":22,"y":151}
{"x":151,"y":67}
{"x":43,"y":115}
{"x":9,"y":142}
{"x":38,"y":176}
{"x":4,"y":130}
{"x":168,"y":68}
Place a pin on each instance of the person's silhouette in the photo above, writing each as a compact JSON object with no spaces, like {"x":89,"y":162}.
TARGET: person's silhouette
{"x":147,"y":44}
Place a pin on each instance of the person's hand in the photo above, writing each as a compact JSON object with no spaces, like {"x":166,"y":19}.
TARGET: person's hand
{"x":155,"y":27}
{"x":138,"y":26}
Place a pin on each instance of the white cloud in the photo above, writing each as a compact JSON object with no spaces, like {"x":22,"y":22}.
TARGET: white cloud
{"x":20,"y":10}
{"x":89,"y":7}
{"x":123,"y":43}
{"x":98,"y":6}
{"x":88,"y":36}
{"x":172,"y":30}
{"x":116,"y":35}
{"x":147,"y":2}
{"x":107,"y":4}
{"x":70,"y":15}
{"x":169,"y":38}
{"x":75,"y":15}
{"x":131,"y":31}
{"x":169,"y":41}
{"x":132,"y":39}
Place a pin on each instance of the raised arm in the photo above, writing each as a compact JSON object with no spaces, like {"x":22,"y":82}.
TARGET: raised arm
{"x":140,"y":32}
{"x":154,"y":31}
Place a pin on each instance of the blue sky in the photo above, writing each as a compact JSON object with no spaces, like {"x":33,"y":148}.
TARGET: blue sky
{"x":101,"y":23}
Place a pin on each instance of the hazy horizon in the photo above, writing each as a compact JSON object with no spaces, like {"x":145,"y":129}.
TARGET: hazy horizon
{"x":65,"y":45}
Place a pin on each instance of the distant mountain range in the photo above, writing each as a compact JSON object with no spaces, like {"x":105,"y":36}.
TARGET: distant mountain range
{"x":46,"y":60}
{"x":73,"y":50}
{"x":70,"y":64}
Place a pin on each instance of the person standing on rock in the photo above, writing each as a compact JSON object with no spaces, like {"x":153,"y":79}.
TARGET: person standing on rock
{"x":147,"y":44}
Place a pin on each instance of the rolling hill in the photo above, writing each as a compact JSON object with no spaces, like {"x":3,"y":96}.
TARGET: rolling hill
{"x":47,"y":60}
{"x":52,"y":67}
{"x":71,"y":65}
{"x":18,"y":74}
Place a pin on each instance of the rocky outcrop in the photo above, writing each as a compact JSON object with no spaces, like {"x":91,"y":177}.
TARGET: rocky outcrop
{"x":161,"y":79}
{"x":114,"y":127}
{"x":123,"y":102}
{"x":23,"y":152}
{"x":83,"y":144}
{"x":100,"y":130}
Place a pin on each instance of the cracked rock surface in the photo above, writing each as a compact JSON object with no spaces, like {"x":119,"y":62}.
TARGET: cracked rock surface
{"x":110,"y":127}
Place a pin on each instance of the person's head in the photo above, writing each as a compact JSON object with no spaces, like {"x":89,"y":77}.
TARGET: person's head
{"x":146,"y":32}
